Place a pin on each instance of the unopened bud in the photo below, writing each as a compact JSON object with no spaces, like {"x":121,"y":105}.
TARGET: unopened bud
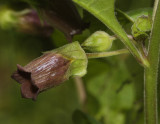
{"x":141,"y":28}
{"x":51,"y":69}
{"x":99,"y":41}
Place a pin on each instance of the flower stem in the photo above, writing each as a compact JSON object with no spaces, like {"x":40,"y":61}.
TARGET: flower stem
{"x":80,"y":90}
{"x":106,"y":54}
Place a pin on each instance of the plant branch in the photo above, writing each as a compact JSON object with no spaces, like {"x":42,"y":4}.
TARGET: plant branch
{"x":151,"y":73}
{"x":106,"y":54}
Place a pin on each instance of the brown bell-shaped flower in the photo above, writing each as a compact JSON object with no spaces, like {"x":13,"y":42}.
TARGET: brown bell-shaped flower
{"x":51,"y":69}
{"x":47,"y":71}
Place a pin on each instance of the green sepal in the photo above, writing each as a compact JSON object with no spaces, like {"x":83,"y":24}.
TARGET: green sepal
{"x":141,"y":28}
{"x":76,"y":54}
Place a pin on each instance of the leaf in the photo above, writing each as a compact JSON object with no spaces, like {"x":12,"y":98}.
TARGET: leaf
{"x":94,"y":23}
{"x":131,"y":16}
{"x":104,"y":11}
{"x":134,"y":14}
{"x":122,"y":17}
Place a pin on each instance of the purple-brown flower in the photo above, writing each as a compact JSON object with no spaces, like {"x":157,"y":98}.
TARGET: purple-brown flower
{"x":51,"y":69}
{"x":47,"y":71}
{"x":61,"y":14}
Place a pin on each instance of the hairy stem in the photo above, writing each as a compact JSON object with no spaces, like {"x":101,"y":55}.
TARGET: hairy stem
{"x":106,"y":54}
{"x":151,"y":73}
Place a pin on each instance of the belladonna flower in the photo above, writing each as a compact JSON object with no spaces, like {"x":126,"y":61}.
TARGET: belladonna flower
{"x":61,"y":14}
{"x":47,"y":71}
{"x":51,"y":69}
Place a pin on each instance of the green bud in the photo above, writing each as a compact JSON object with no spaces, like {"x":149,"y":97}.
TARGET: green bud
{"x":8,"y":18}
{"x":99,"y":41}
{"x":141,"y":28}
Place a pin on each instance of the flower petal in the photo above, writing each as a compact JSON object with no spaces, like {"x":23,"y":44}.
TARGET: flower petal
{"x":28,"y":90}
{"x":20,"y":75}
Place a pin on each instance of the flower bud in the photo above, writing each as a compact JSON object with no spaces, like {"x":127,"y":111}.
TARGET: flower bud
{"x":141,"y":28}
{"x":26,"y":21}
{"x":98,"y":42}
{"x":51,"y":69}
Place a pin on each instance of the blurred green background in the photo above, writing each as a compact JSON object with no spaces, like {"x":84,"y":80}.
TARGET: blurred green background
{"x":113,"y":86}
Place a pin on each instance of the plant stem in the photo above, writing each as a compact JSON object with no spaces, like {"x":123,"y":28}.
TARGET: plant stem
{"x":155,"y":9}
{"x":80,"y":90}
{"x":151,"y":73}
{"x":106,"y":54}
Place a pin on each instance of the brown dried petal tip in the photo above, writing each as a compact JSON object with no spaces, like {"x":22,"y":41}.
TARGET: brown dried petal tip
{"x":45,"y":72}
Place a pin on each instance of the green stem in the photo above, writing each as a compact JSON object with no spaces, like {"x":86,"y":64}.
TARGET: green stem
{"x":155,"y":8}
{"x":106,"y":54}
{"x":151,"y":73}
{"x":80,"y":90}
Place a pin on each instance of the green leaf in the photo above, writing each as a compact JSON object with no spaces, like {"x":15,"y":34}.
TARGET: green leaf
{"x":94,"y":23}
{"x":131,"y":16}
{"x":104,"y":11}
{"x":123,"y":17}
{"x":81,"y":118}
